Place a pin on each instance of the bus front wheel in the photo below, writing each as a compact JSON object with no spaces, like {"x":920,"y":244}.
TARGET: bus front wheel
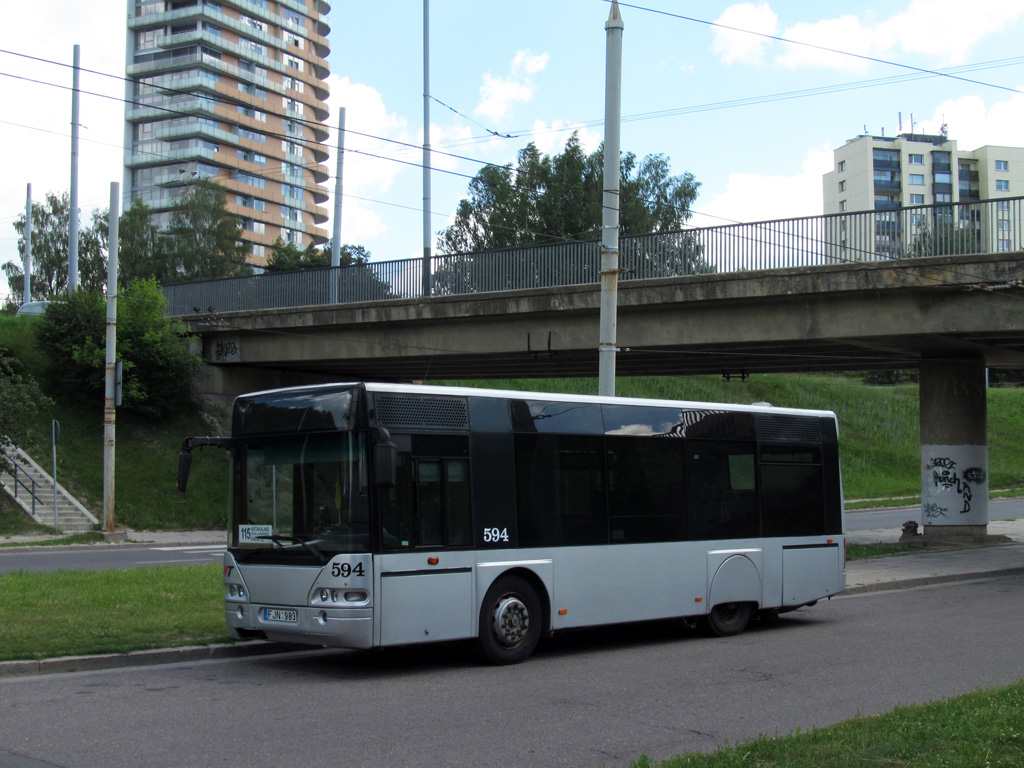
{"x":510,"y":621}
{"x":729,"y":618}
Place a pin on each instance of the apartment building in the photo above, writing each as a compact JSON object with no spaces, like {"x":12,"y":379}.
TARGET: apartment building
{"x":233,"y":91}
{"x":889,"y":175}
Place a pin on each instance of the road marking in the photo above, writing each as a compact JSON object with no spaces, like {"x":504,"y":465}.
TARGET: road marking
{"x":193,"y":547}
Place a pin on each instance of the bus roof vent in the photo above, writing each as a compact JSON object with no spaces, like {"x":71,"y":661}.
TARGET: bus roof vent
{"x":772,"y":426}
{"x":421,"y":411}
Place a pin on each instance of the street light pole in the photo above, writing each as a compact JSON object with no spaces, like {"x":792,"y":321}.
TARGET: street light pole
{"x":610,"y":209}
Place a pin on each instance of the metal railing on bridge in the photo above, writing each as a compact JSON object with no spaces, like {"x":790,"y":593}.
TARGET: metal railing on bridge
{"x":929,"y":230}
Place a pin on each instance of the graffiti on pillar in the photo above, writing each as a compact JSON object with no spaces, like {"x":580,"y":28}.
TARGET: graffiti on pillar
{"x":933,"y":511}
{"x":947,"y":478}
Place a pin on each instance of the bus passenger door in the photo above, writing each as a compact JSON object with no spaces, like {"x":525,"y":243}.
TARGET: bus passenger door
{"x":426,"y":579}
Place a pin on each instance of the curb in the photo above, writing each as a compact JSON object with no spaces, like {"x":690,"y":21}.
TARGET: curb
{"x":145,"y":658}
{"x":922,"y":581}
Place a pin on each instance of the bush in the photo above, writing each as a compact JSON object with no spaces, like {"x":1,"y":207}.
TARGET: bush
{"x":158,"y":367}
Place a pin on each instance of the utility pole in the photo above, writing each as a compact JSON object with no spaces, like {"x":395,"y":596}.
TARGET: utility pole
{"x":73,"y":213}
{"x":610,"y":213}
{"x":26,"y":289}
{"x":109,"y":394}
{"x":338,"y":187}
{"x":426,"y":149}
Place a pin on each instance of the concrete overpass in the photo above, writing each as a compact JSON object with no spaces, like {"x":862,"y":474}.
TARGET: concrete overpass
{"x":869,"y":315}
{"x":949,"y":316}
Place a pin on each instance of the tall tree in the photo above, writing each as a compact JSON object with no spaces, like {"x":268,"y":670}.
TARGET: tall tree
{"x":549,"y":199}
{"x":288,"y":256}
{"x":142,"y":250}
{"x":51,"y":222}
{"x":203,"y":238}
{"x":555,"y":199}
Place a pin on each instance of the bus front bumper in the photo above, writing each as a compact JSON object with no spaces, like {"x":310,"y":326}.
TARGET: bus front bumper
{"x":335,"y":627}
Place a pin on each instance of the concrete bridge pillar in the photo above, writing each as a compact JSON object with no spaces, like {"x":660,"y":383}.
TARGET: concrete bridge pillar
{"x":954,"y":448}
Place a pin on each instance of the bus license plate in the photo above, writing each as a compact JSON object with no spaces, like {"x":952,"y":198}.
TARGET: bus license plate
{"x":277,"y":614}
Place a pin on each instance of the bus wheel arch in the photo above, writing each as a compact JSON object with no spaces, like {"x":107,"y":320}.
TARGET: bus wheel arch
{"x":511,"y":619}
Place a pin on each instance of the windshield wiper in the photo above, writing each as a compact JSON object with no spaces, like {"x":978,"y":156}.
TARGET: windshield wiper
{"x":277,"y":538}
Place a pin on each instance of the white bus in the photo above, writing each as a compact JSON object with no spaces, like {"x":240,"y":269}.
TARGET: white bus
{"x":371,"y":515}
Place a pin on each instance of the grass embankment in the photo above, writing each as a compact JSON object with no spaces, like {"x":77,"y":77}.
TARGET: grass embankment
{"x":146,"y":458}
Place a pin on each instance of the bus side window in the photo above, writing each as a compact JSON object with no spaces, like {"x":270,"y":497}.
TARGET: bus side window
{"x":646,"y":489}
{"x":560,"y":492}
{"x":721,"y":490}
{"x":792,"y":497}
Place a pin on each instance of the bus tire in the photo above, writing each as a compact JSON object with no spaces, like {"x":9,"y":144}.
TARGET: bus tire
{"x":510,"y":621}
{"x":728,"y":619}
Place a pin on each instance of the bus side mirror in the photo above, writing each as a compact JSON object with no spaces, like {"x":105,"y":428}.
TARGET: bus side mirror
{"x":385,"y":460}
{"x":184,"y":465}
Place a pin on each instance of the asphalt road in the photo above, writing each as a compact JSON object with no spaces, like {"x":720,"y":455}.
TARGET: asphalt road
{"x":589,"y":698}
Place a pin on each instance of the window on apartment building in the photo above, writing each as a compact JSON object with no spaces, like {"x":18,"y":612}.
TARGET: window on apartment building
{"x":917,"y":178}
{"x":943,"y":197}
{"x":294,"y":63}
{"x":259,"y":251}
{"x":1004,"y":245}
{"x":842,"y":166}
{"x":943,"y":178}
{"x":255,"y":114}
{"x":1002,"y":185}
{"x":246,"y":201}
{"x":842,"y":186}
{"x":1002,"y":165}
{"x":1003,"y":225}
{"x":915,"y":159}
{"x":842,"y":205}
{"x":291,"y":148}
{"x":253,"y":90}
{"x":917,"y":199}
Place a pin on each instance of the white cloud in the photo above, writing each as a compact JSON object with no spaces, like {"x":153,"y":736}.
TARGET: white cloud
{"x":845,"y":33}
{"x":974,"y":125}
{"x":367,"y":122}
{"x":934,"y":28}
{"x":499,"y":94}
{"x":745,"y":48}
{"x":550,"y":138}
{"x":944,"y":28}
{"x":754,"y":197}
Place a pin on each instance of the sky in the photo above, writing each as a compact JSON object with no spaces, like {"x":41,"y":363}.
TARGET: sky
{"x":754,"y":117}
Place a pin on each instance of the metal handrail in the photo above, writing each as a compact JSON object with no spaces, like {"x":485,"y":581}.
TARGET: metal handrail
{"x":894,"y":232}
{"x":18,"y":482}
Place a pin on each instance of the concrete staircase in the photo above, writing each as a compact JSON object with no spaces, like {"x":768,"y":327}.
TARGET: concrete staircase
{"x":32,"y":489}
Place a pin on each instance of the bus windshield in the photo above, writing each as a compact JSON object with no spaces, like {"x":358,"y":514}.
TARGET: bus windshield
{"x":302,"y":496}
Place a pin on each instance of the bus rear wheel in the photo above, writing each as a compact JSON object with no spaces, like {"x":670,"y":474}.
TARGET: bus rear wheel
{"x":728,"y":619}
{"x":510,"y":621}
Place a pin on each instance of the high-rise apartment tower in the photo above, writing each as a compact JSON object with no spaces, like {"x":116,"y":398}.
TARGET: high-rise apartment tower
{"x":233,"y":91}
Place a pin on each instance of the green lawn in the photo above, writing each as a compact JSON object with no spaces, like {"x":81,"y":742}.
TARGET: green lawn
{"x":109,"y":611}
{"x":978,"y":730}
